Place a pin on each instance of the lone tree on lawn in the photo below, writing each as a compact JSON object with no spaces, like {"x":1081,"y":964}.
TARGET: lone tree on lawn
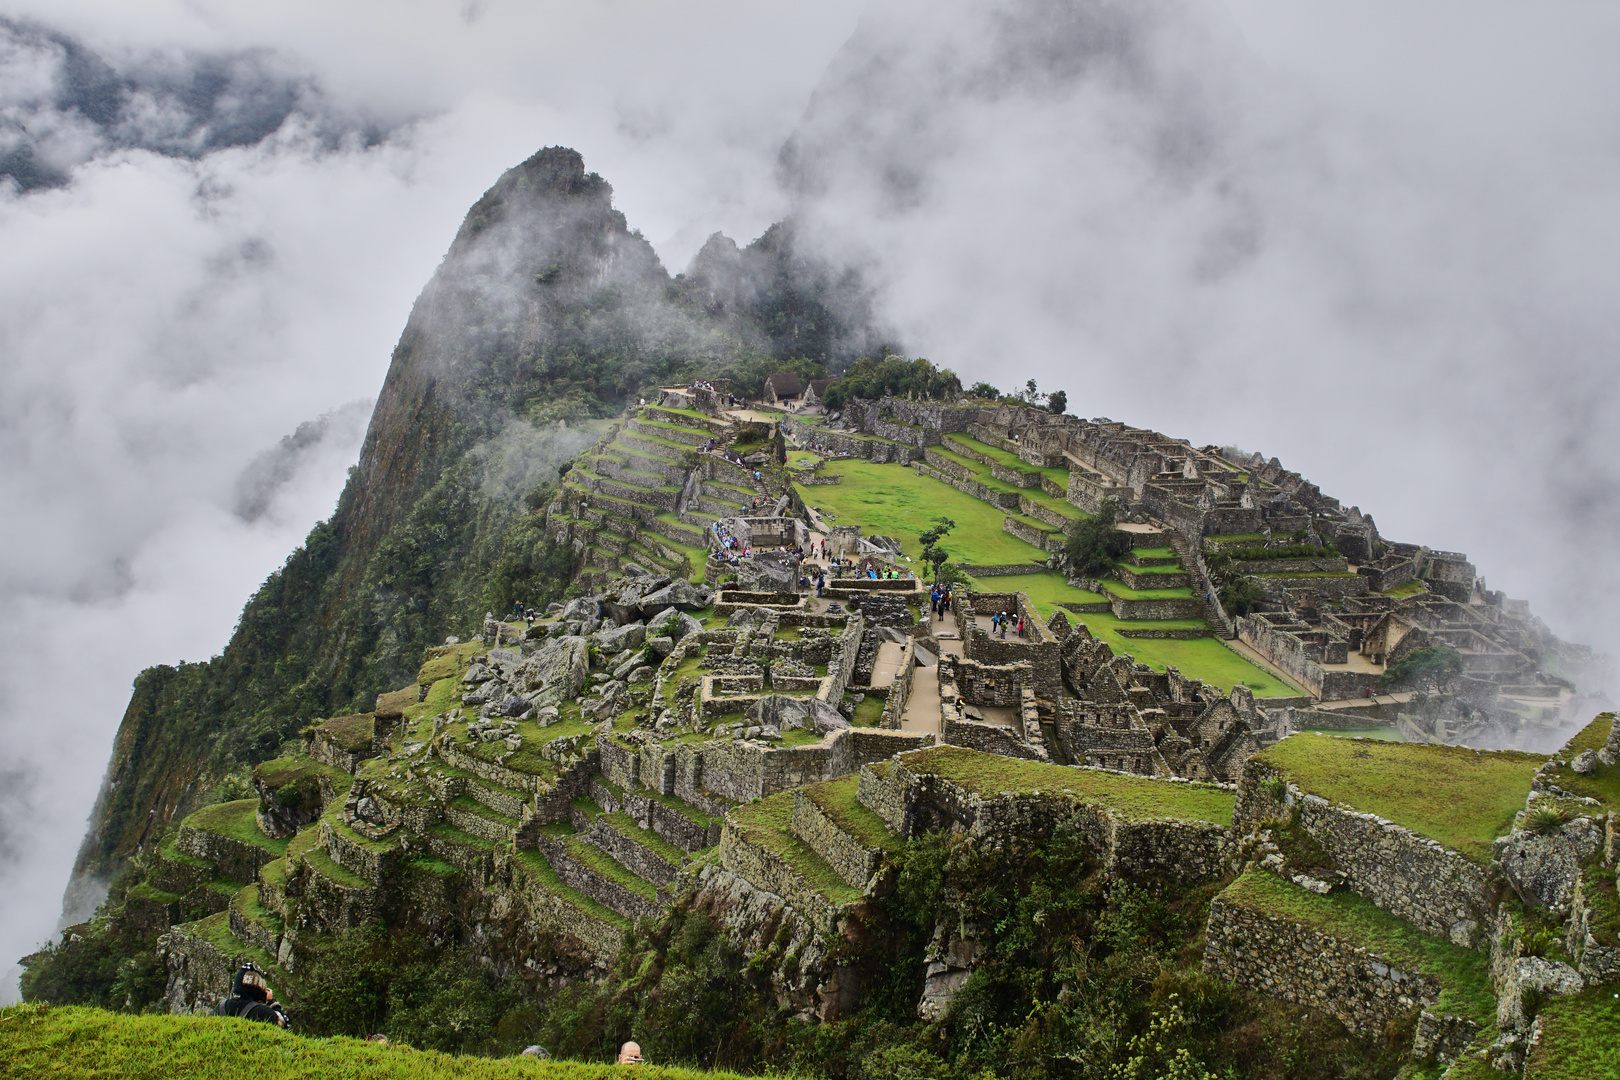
{"x":932,"y":554}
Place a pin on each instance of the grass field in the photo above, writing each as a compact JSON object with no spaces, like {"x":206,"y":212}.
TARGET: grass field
{"x":1463,"y":973}
{"x":1045,"y":591}
{"x":1603,"y":783}
{"x":42,"y":1041}
{"x":892,"y":500}
{"x":1580,"y":1037}
{"x":1136,"y":798}
{"x":1387,"y":734}
{"x":235,"y":820}
{"x":1453,"y":794}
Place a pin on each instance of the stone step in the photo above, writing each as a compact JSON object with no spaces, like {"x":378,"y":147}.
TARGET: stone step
{"x":587,"y":868}
{"x":690,"y":436}
{"x":502,"y":800}
{"x":640,"y":851}
{"x":680,"y":824}
{"x":852,"y":839}
{"x":474,"y":818}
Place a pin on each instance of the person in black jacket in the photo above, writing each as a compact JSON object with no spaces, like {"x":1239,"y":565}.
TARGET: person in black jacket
{"x":251,"y":998}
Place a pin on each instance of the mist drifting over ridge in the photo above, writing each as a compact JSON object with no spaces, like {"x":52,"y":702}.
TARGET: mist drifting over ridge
{"x":1162,"y":209}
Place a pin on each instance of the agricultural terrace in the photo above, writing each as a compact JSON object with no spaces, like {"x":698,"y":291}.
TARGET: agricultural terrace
{"x":1580,"y":1037}
{"x":1136,"y":798}
{"x":1603,"y":782}
{"x":1464,"y":974}
{"x":1461,"y":797}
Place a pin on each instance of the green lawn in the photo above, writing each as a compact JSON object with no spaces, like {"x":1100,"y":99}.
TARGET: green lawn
{"x":892,"y":500}
{"x":1463,"y":973}
{"x":1009,"y":459}
{"x":981,"y":473}
{"x":236,"y":820}
{"x":1410,"y":588}
{"x":1387,"y":734}
{"x":1045,"y":591}
{"x":1603,"y":783}
{"x":1580,"y":1037}
{"x":42,"y":1041}
{"x":1456,"y":795}
{"x":1135,"y":798}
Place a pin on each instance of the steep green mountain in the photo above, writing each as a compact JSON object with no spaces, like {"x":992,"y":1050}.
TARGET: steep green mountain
{"x":548,"y":311}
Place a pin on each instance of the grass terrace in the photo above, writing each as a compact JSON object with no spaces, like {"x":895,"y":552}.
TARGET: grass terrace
{"x":1603,"y":783}
{"x":42,"y":1041}
{"x":352,"y":734}
{"x":1134,"y":798}
{"x":768,"y":823}
{"x":1125,"y":592}
{"x":1580,"y":1037}
{"x":981,"y":473}
{"x":893,"y":500}
{"x":236,"y":820}
{"x":1463,"y":973}
{"x":446,"y":660}
{"x":836,"y":798}
{"x":1461,"y":797}
{"x":1009,"y":459}
{"x":1410,"y":588}
{"x":1045,"y":591}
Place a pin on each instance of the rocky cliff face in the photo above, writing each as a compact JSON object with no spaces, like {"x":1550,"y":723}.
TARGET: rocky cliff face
{"x":547,"y":310}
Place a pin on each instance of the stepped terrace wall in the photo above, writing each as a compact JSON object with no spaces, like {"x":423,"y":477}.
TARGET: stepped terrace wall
{"x":1133,"y":825}
{"x":1278,"y":940}
{"x":1040,"y":649}
{"x":1433,"y":887}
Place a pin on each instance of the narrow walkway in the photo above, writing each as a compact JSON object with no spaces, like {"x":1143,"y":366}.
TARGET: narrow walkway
{"x":922,"y":707}
{"x":947,"y":633}
{"x":886,"y":668}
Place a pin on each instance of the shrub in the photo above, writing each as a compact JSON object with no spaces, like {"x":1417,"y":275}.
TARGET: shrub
{"x":1545,"y":818}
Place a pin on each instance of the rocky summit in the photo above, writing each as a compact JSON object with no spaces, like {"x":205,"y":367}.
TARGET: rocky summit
{"x":800,"y":708}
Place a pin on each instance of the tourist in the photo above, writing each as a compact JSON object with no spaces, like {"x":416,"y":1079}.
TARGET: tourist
{"x":252,"y":999}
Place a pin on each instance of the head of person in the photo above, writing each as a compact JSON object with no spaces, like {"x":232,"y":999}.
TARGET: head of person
{"x":630,"y":1054}
{"x":250,"y":984}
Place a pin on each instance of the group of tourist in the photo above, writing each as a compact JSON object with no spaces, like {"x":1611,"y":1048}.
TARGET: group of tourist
{"x":1001,"y":620}
{"x":940,"y":600}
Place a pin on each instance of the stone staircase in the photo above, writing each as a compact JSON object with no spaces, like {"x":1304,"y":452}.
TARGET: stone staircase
{"x":1193,"y":562}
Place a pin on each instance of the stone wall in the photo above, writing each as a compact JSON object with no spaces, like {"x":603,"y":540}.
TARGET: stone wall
{"x":1189,"y":607}
{"x":632,"y":855}
{"x":1410,"y":876}
{"x":851,"y":861}
{"x":610,"y":894}
{"x":1005,"y":500}
{"x":1046,"y":541}
{"x":1186,"y":851}
{"x":767,"y":871}
{"x":548,"y":911}
{"x":997,"y":685}
{"x":235,"y":859}
{"x":1304,"y":966}
{"x":1040,"y":649}
{"x":986,"y":738}
{"x":199,"y":973}
{"x":879,"y":793}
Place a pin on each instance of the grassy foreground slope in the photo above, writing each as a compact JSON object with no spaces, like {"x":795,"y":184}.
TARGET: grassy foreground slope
{"x":79,"y":1042}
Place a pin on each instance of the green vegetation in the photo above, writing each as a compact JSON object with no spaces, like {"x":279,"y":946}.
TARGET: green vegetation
{"x":1135,"y":798}
{"x":768,"y":823}
{"x":1207,"y":658}
{"x":1432,"y":667}
{"x":1580,"y":1037}
{"x":352,"y":734}
{"x":893,"y":500}
{"x":1410,"y":588}
{"x":1385,"y":734}
{"x":1095,"y":546}
{"x":1125,"y":592}
{"x":1603,"y":783}
{"x":1046,"y":591}
{"x":1464,"y":974}
{"x":837,"y":800}
{"x":1240,"y":593}
{"x":1461,"y":797}
{"x":871,"y":379}
{"x":869,"y":711}
{"x":236,"y":820}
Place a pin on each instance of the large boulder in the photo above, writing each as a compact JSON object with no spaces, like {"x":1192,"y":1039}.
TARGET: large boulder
{"x":672,"y":623}
{"x":768,"y":572}
{"x":555,"y":673}
{"x":788,"y":713}
{"x":1544,"y":867}
{"x":618,"y":638}
{"x":680,"y":594}
{"x":580,"y":608}
{"x":1529,"y":979}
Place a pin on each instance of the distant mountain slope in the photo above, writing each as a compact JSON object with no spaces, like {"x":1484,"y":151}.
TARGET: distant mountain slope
{"x":547,"y":310}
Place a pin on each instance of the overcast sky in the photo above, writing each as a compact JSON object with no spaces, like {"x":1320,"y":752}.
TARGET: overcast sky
{"x":1377,"y":240}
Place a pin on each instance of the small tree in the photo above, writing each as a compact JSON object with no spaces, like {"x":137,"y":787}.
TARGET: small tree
{"x":1031,"y":394}
{"x":1095,"y":545}
{"x":1432,"y":667}
{"x":1058,"y":402}
{"x":984,"y":390}
{"x":932,"y":554}
{"x":1240,"y":594}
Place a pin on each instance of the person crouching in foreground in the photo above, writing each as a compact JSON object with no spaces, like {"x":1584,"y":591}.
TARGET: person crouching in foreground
{"x":252,"y":999}
{"x":630,"y":1054}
